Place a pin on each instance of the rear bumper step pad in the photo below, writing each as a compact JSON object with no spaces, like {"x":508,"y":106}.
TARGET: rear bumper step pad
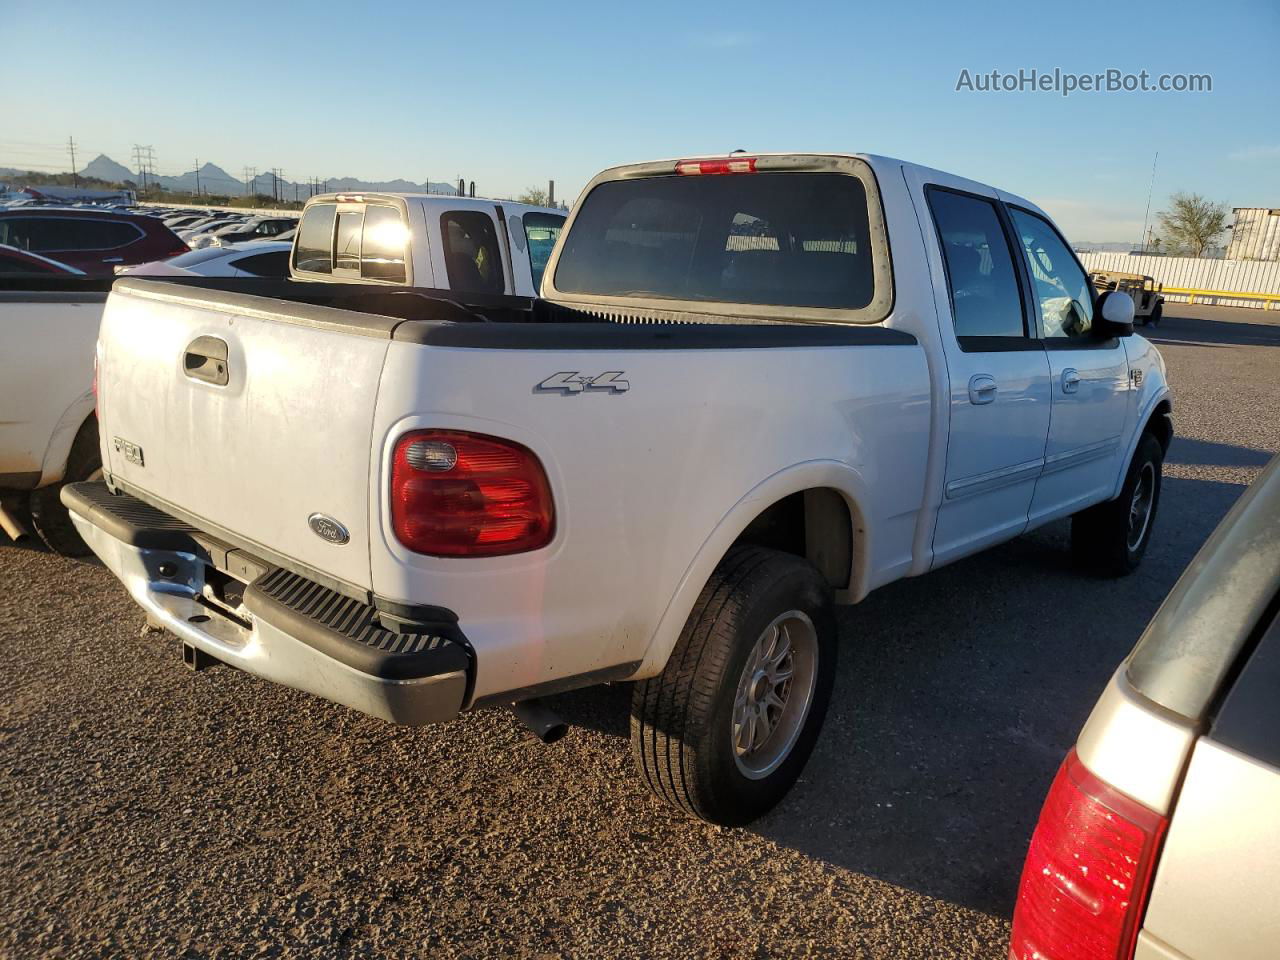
{"x":303,"y":634}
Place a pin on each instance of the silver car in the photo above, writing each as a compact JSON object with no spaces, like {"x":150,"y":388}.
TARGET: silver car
{"x":1160,"y":837}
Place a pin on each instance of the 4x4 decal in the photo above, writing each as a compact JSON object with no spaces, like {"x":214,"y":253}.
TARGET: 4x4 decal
{"x":570,"y":381}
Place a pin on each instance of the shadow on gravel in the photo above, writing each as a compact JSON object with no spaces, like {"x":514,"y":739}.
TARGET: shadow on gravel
{"x":1201,"y":332}
{"x":959,"y":694}
{"x":1208,"y":453}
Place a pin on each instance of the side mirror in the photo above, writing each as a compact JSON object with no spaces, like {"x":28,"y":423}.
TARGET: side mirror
{"x":1114,"y":317}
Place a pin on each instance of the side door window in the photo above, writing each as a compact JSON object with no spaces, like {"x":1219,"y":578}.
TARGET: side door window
{"x":471,"y":253}
{"x":986,"y":303}
{"x":1061,"y":285}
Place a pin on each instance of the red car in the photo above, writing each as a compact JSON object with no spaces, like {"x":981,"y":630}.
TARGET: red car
{"x":89,"y":240}
{"x":15,"y":262}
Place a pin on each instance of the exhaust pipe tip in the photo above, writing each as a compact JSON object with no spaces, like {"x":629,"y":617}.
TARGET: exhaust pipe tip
{"x":540,"y":720}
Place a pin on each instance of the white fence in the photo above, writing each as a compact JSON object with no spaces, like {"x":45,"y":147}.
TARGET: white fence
{"x":1195,"y":274}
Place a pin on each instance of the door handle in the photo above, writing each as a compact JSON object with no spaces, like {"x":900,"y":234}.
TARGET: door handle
{"x":982,"y":388}
{"x":206,"y":359}
{"x":1070,"y":380}
{"x":113,"y":260}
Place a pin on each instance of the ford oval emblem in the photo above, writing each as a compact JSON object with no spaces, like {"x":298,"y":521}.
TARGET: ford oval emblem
{"x":327,"y":528}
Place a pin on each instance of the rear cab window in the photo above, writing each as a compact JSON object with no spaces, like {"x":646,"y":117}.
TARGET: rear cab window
{"x":313,"y":252}
{"x":353,"y":241}
{"x":798,"y":245}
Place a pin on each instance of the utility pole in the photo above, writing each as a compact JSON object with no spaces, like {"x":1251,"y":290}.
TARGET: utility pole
{"x":145,"y":159}
{"x":1150,"y":189}
{"x":75,"y":177}
{"x":250,"y":179}
{"x":551,"y":193}
{"x":197,"y":176}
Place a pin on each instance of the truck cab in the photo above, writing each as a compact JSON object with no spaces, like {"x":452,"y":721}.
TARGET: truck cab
{"x":466,"y":244}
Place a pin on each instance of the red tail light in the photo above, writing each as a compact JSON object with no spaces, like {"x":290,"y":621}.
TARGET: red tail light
{"x":729,"y":165}
{"x":457,"y":494}
{"x":1088,"y":872}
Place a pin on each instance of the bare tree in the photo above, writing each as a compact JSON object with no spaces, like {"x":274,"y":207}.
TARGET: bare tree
{"x":1192,"y":222}
{"x":534,"y":196}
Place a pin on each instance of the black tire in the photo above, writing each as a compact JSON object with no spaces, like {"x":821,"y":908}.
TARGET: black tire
{"x":48,"y":515}
{"x":682,"y":726}
{"x":1103,"y":538}
{"x":1156,"y":314}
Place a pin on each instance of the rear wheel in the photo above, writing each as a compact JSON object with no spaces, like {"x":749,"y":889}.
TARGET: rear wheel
{"x":1156,"y":314}
{"x":49,"y":517}
{"x":1111,"y":538}
{"x":724,"y":731}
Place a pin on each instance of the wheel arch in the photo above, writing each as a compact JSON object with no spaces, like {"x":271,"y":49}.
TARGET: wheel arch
{"x":1157,"y":418}
{"x":73,"y":420}
{"x":823,"y":493}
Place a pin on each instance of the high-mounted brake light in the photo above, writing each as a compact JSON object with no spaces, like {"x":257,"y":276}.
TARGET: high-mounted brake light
{"x":459,"y":494}
{"x":1088,"y":871}
{"x":688,"y":168}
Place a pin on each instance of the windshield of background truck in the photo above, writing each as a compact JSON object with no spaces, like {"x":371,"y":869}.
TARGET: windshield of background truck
{"x":774,"y":239}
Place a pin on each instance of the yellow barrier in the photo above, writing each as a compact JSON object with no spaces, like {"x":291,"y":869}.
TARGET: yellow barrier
{"x":1266,"y":298}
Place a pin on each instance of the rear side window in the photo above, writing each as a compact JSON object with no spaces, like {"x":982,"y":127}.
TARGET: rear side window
{"x":54,"y":234}
{"x":314,"y":249}
{"x":541,"y":231}
{"x":981,"y":279}
{"x":382,"y":247}
{"x":774,"y":239}
{"x":471,"y":252}
{"x":271,"y":264}
{"x":346,"y":245}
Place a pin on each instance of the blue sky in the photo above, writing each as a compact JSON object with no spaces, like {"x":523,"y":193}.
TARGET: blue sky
{"x":511,"y":95}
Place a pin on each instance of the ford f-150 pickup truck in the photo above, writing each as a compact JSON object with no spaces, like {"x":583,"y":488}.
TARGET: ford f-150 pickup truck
{"x":465,"y":244}
{"x":752,"y":388}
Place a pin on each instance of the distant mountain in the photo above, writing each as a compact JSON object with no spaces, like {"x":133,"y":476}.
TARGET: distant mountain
{"x":213,"y":179}
{"x":1111,"y":246}
{"x":104,"y":168}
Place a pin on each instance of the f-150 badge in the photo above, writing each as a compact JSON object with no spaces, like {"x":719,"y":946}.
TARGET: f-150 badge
{"x":570,"y":381}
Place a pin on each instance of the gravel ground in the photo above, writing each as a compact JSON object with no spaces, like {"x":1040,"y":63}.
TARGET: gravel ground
{"x":147,"y":811}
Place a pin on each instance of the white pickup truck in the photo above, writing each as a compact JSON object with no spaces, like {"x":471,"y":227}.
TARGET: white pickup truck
{"x":753,"y":388}
{"x":463,"y":244}
{"x":48,"y":434}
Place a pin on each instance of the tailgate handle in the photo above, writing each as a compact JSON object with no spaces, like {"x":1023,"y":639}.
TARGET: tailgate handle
{"x":206,"y":359}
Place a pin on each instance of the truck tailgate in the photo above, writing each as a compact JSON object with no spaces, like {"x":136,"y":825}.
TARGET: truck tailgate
{"x":244,"y":418}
